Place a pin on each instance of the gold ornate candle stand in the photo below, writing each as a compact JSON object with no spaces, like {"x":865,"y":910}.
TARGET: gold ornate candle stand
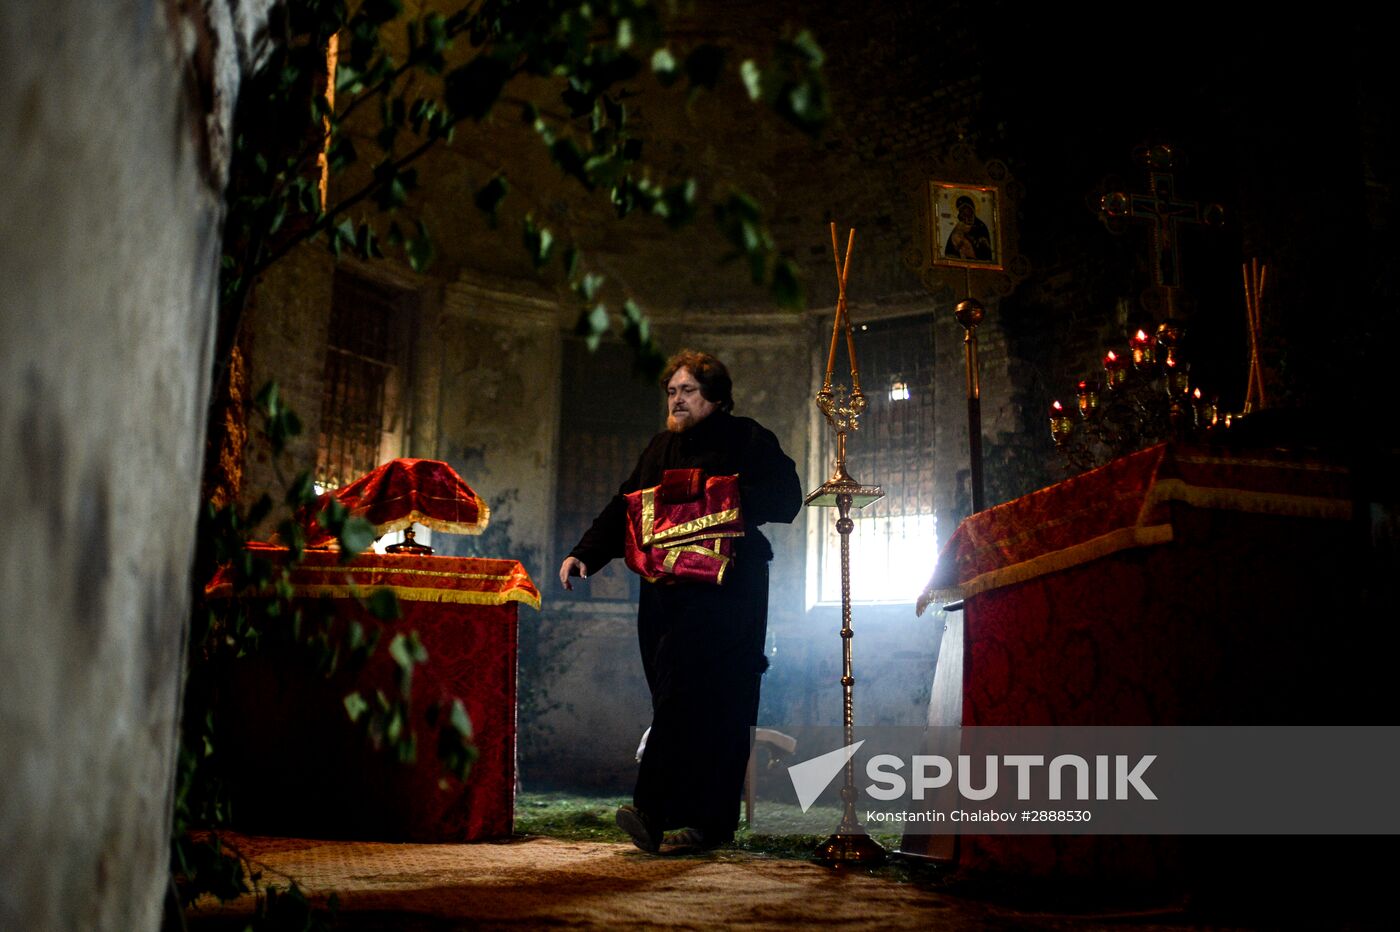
{"x":850,"y":844}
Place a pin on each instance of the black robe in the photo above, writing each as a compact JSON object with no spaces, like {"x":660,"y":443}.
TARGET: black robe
{"x":702,"y":645}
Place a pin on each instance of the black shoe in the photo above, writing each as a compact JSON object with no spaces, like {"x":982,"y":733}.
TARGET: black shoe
{"x":631,"y":820}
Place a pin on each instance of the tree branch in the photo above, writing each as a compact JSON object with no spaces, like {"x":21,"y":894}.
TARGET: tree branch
{"x":326,"y":219}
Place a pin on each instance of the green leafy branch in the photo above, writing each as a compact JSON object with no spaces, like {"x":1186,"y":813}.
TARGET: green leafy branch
{"x":438,"y":72}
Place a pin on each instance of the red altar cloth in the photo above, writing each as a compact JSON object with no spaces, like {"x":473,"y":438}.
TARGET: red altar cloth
{"x":303,"y":768}
{"x":1126,"y":504}
{"x":396,"y":494}
{"x":1176,"y":586}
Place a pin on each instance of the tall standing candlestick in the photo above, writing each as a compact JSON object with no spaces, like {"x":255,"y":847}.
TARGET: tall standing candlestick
{"x":850,"y":843}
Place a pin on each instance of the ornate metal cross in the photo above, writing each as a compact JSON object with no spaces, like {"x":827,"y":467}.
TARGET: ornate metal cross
{"x":1161,"y":207}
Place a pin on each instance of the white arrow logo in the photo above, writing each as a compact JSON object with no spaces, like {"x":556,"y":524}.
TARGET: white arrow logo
{"x":810,"y":777}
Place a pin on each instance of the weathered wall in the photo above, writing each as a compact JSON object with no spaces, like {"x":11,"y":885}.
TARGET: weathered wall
{"x":109,"y":242}
{"x":498,"y":416}
{"x":285,"y":327}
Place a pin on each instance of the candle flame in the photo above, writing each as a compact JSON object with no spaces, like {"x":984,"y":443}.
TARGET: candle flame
{"x":1057,"y":406}
{"x":1141,"y":336}
{"x":1111,"y":357}
{"x":1197,"y":393}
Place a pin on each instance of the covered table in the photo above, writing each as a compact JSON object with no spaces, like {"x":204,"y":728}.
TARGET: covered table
{"x":302,"y":767}
{"x":1175,"y":586}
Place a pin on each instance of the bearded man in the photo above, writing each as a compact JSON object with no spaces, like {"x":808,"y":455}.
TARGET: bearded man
{"x":702,"y":643}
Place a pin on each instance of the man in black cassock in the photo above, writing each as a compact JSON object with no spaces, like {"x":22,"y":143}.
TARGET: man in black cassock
{"x":702,"y":644}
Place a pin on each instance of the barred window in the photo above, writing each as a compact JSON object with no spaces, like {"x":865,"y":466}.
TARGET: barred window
{"x":893,"y":544}
{"x":361,"y":399}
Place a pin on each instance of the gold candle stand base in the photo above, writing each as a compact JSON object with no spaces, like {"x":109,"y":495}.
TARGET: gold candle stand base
{"x":851,"y":846}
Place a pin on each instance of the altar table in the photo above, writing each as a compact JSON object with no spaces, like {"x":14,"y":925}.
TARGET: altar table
{"x":302,"y":768}
{"x":1175,"y":586}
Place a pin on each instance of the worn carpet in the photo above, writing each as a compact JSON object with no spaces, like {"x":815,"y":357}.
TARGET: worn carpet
{"x":547,"y":883}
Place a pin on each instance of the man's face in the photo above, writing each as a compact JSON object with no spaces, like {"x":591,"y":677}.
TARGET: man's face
{"x":685,"y":405}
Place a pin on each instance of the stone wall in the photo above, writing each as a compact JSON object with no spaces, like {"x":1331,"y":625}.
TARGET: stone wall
{"x":498,"y":416}
{"x":114,"y":121}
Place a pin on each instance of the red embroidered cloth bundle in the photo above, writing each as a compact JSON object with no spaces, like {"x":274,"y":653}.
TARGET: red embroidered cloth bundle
{"x":685,"y":527}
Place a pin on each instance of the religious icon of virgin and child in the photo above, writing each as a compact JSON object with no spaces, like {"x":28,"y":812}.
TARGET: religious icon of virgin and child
{"x":969,"y":238}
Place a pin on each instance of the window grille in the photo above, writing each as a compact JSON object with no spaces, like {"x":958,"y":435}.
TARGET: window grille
{"x":893,"y":544}
{"x":361,"y":362}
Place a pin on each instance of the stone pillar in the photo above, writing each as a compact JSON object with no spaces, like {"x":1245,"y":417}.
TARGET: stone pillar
{"x":114,"y":121}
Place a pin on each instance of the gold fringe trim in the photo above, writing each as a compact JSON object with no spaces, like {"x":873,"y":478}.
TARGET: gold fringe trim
{"x":402,"y":572}
{"x":1161,"y":490}
{"x":436,"y":524}
{"x":414,"y":594}
{"x":1262,"y":464}
{"x":1069,"y":517}
{"x":1055,"y":561}
{"x":1267,"y":503}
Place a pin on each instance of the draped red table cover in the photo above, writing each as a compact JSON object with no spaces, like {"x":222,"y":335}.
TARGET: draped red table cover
{"x":303,"y":768}
{"x":400,"y":493}
{"x":1126,"y":504}
{"x":1175,"y":586}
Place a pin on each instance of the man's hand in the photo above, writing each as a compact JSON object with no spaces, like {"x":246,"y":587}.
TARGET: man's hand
{"x":572,"y":566}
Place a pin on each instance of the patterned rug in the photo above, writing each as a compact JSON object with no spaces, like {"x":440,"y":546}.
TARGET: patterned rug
{"x":542,"y":882}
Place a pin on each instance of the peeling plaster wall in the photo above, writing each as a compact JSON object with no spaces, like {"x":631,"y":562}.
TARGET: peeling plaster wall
{"x":110,"y":211}
{"x":498,"y":417}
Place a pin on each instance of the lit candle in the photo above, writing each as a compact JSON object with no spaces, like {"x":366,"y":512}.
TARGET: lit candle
{"x":1205,"y":410}
{"x":1178,"y":377}
{"x":1060,"y":424}
{"x":1144,"y":349}
{"x":1088,"y":396}
{"x":1115,"y":368}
